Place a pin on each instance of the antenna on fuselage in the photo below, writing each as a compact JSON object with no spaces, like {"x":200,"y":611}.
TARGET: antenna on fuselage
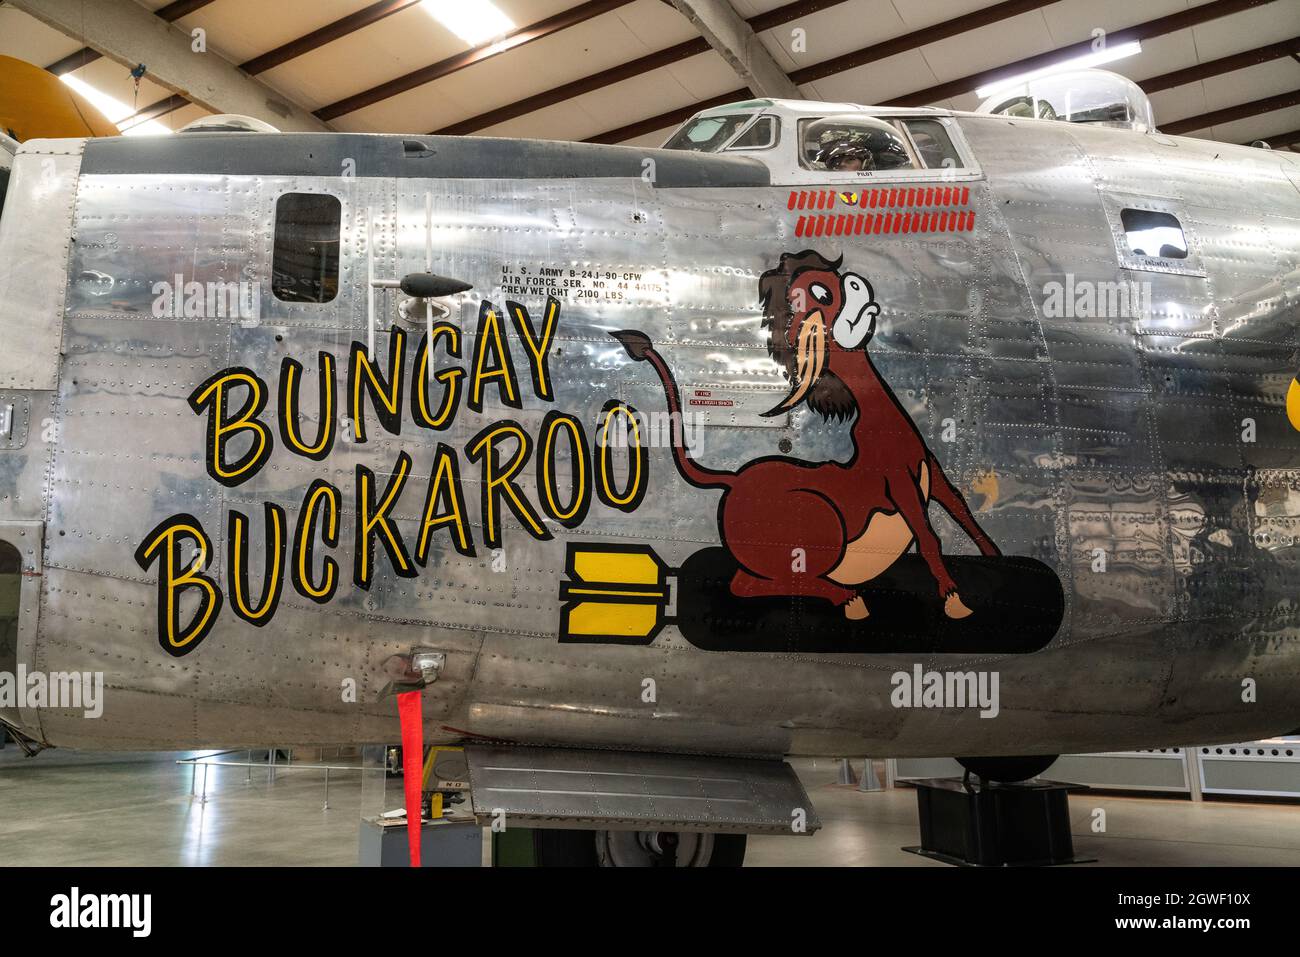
{"x":426,"y":285}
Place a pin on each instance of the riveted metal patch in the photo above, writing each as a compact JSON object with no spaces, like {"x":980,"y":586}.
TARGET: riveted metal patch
{"x":15,"y":415}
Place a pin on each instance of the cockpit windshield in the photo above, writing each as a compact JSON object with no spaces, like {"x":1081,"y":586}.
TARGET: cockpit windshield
{"x":708,"y":134}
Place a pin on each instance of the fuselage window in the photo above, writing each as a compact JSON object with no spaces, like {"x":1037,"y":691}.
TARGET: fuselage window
{"x":760,"y":136}
{"x":851,"y":143}
{"x":305,"y":266}
{"x":1155,"y":234}
{"x":934,"y":144}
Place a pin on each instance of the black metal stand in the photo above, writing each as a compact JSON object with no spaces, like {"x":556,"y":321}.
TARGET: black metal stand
{"x":995,"y":825}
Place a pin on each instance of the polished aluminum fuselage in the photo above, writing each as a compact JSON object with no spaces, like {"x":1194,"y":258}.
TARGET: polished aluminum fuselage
{"x":1123,"y":437}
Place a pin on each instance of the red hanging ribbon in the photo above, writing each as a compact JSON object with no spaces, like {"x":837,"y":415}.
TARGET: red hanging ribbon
{"x":409,"y":712}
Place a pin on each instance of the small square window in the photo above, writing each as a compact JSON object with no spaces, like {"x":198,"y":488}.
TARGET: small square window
{"x":1154,"y":234}
{"x":305,"y":265}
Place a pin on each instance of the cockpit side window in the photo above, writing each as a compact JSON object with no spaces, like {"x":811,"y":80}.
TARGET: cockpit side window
{"x":852,"y":143}
{"x":305,"y":264}
{"x":761,"y":135}
{"x":933,"y":144}
{"x":708,"y":134}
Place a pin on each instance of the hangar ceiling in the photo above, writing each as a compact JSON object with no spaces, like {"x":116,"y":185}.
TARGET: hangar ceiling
{"x":628,"y":71}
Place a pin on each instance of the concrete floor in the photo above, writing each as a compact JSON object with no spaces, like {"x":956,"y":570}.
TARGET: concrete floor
{"x":868,"y":829}
{"x":68,"y":808}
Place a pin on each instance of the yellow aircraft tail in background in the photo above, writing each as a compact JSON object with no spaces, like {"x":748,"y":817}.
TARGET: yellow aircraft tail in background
{"x":35,"y":104}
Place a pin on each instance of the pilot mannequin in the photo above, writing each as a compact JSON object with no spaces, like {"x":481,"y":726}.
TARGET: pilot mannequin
{"x":848,"y":149}
{"x":846,"y":157}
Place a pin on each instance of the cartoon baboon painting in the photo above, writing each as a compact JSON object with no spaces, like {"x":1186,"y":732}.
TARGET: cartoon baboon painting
{"x":821,"y":529}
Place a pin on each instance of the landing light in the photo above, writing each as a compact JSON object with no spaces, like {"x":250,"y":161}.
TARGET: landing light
{"x":474,"y":21}
{"x":1096,"y":58}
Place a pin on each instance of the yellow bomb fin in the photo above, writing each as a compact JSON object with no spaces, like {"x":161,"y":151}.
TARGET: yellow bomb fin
{"x":613,"y":593}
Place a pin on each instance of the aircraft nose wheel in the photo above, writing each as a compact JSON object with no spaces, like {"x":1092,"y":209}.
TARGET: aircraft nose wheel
{"x":653,"y":849}
{"x":669,"y":849}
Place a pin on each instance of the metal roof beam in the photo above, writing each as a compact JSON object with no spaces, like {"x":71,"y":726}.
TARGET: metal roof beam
{"x":1225,"y":64}
{"x":866,"y":55}
{"x":154,"y":110}
{"x":632,"y":68}
{"x":285,"y":52}
{"x":171,"y":13}
{"x":734,"y":40}
{"x":484,"y":51}
{"x":1152,"y":28}
{"x":73,"y":61}
{"x":130,"y":34}
{"x":1232,"y":113}
{"x":327,"y":34}
{"x":1193,"y":16}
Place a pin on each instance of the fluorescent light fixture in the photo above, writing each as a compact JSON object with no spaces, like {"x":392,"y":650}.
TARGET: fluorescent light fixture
{"x":474,"y":21}
{"x":1095,"y":58}
{"x":115,"y":111}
